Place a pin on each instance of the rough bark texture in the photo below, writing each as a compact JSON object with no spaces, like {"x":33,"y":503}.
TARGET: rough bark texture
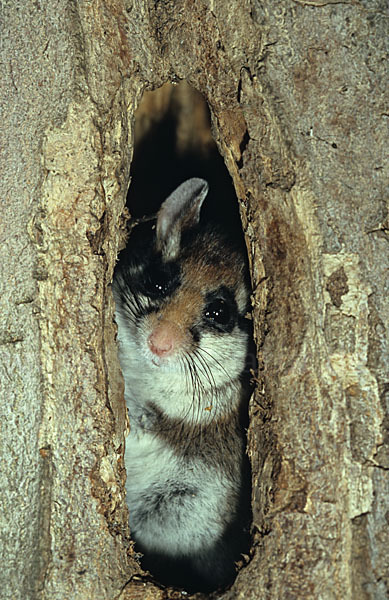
{"x":296,"y":92}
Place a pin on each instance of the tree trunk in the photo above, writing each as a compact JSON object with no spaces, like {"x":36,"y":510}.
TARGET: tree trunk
{"x":296,"y":94}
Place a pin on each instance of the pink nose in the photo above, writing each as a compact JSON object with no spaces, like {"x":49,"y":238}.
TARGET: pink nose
{"x":164,"y":339}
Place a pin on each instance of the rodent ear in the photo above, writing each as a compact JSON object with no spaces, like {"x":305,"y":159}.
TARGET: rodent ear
{"x":180,"y":211}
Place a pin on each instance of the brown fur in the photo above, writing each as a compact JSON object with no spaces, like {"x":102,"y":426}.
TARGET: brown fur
{"x":218,"y":443}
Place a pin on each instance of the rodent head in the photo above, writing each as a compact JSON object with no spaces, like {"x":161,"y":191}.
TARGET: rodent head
{"x":181,"y":293}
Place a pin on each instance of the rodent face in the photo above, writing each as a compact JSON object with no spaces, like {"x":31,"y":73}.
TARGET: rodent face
{"x":182,"y":328}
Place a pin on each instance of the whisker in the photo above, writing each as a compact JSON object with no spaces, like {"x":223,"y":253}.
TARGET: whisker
{"x":206,"y":368}
{"x":217,"y":362}
{"x":202,"y":368}
{"x":196,"y":391}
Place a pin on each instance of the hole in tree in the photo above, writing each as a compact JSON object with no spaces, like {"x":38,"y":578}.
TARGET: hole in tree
{"x":173,"y":142}
{"x":185,"y":348}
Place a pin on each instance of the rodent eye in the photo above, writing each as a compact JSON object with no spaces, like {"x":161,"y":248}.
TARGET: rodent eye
{"x":218,"y":312}
{"x":156,"y":285}
{"x":160,"y":281}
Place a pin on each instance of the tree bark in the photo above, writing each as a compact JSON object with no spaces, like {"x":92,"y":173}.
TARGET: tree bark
{"x":296,"y":93}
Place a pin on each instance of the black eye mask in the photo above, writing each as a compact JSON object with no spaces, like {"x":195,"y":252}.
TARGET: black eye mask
{"x":159,"y":280}
{"x":221,"y":311}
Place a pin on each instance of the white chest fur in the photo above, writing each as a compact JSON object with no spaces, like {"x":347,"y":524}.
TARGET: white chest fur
{"x":174,"y":502}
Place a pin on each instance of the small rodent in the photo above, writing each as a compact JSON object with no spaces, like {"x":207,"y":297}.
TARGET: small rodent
{"x":182,"y":293}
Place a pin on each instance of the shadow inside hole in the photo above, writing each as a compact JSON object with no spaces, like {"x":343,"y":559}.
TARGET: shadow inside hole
{"x":173,"y":142}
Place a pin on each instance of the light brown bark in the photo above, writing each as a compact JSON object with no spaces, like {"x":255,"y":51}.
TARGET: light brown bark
{"x":296,"y":93}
